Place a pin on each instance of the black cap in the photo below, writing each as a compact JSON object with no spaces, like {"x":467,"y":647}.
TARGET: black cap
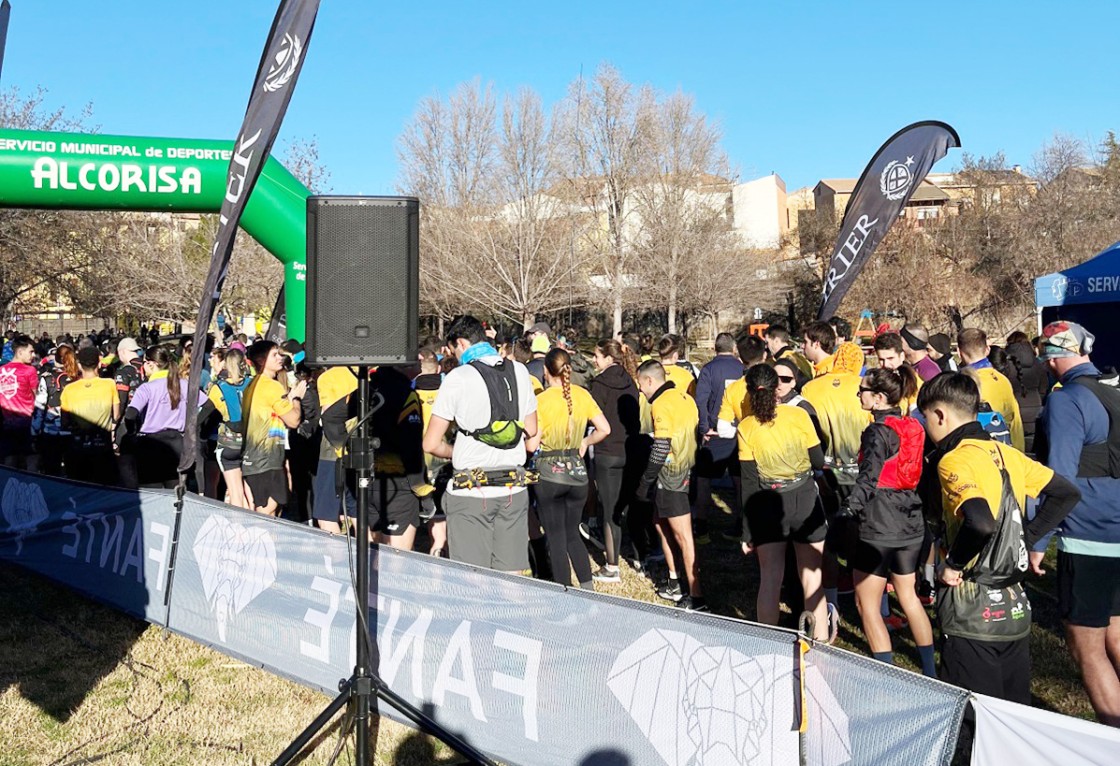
{"x":941,"y":343}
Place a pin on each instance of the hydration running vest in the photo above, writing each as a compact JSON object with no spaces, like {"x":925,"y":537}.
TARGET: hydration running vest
{"x":903,"y":469}
{"x":504,"y":430}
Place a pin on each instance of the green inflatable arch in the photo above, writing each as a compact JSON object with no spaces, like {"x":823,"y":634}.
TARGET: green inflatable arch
{"x":78,"y":171}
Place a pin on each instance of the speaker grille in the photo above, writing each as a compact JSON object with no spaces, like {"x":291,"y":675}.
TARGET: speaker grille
{"x":362,"y":262}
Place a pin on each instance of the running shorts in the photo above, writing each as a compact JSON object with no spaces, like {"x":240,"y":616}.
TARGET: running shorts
{"x":228,"y":459}
{"x":270,"y":484}
{"x":490,"y":532}
{"x":793,"y":514}
{"x":398,"y":509}
{"x":1000,"y":669}
{"x":880,"y":559}
{"x":669,"y":504}
{"x":1088,"y":589}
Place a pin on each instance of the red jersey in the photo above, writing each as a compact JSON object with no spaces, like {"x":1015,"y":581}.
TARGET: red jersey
{"x":18,"y":382}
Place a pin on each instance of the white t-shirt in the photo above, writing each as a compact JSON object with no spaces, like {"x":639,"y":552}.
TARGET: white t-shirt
{"x":464,"y":400}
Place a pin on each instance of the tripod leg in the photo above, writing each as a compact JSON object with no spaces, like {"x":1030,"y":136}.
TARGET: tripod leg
{"x":305,"y":736}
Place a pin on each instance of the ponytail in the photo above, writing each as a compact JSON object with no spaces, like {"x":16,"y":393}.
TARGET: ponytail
{"x":559,"y":365}
{"x":762,"y":392}
{"x":165,"y":359}
{"x":895,"y":385}
{"x":909,"y":380}
{"x":1018,"y":376}
{"x":622,"y":354}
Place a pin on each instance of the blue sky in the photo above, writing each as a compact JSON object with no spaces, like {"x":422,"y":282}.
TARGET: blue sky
{"x":806,"y":89}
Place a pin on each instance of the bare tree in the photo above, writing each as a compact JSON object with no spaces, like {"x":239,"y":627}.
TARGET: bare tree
{"x":446,"y":155}
{"x":43,"y":253}
{"x":604,"y":127}
{"x":301,"y":158}
{"x":681,"y":202}
{"x":496,"y":236}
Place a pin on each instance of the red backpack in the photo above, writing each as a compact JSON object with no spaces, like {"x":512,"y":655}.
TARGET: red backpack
{"x":904,"y":469}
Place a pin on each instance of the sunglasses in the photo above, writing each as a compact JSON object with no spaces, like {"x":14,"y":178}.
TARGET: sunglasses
{"x":864,"y":390}
{"x":786,"y":378}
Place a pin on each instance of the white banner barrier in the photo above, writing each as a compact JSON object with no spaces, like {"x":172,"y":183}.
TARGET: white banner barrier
{"x":527,"y":671}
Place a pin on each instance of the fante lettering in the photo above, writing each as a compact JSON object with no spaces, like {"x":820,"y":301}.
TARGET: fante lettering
{"x":847,"y":253}
{"x":159,"y":179}
{"x":121,"y":549}
{"x":404,"y":642}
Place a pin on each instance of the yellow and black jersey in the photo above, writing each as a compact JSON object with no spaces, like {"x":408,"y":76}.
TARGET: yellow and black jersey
{"x":996,"y":390}
{"x":835,"y":397}
{"x":780,"y":447}
{"x":972,"y":470}
{"x":735,"y":405}
{"x":675,"y":418}
{"x":88,"y":404}
{"x":681,"y":378}
{"x":334,"y":388}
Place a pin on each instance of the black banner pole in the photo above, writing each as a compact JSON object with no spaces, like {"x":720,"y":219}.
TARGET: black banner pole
{"x":5,"y":15}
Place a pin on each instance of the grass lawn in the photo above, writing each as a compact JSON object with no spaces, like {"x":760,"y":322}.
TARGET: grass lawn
{"x":83,"y":684}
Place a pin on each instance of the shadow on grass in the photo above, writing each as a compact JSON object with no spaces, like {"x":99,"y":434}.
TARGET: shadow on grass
{"x":56,"y":645}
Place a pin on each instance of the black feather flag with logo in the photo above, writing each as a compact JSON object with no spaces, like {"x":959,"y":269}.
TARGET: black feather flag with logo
{"x":279,"y":69}
{"x":881,"y":193}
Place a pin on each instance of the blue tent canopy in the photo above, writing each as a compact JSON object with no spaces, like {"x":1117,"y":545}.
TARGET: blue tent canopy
{"x":1097,"y":280}
{"x":1089,"y":294}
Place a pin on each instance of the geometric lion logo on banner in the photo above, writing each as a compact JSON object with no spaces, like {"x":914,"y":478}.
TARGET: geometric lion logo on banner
{"x":24,"y":508}
{"x":712,"y":705}
{"x":237,"y":564}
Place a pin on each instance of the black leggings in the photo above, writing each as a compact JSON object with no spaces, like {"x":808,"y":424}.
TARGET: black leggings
{"x":609,"y":476}
{"x":560,"y":508}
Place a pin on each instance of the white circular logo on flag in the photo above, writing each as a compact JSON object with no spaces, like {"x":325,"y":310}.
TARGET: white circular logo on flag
{"x":285,"y":63}
{"x":896,"y":179}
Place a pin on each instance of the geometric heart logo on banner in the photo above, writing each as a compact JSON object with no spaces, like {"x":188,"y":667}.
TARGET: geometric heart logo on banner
{"x":237,"y":564}
{"x":24,"y":508}
{"x":706,"y":705}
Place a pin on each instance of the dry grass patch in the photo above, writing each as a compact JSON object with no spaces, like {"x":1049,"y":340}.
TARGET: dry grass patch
{"x":83,"y":684}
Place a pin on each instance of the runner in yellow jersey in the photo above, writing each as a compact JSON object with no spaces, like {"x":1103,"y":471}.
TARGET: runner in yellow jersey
{"x":681,"y":372}
{"x":778,"y":450}
{"x":672,"y":457}
{"x":995,"y":388}
{"x":834,"y":394}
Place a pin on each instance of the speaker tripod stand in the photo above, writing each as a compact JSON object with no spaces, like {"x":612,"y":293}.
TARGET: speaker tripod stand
{"x":358,"y":690}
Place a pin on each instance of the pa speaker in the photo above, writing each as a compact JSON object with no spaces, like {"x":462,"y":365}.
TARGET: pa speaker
{"x":363,"y":280}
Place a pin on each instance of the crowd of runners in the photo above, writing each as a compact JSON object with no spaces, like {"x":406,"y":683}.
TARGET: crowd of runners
{"x":935,"y":469}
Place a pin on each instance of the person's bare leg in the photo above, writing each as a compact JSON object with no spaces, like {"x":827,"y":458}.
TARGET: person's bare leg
{"x":403,"y":541}
{"x":268,"y":509}
{"x":869,"y":598}
{"x":905,"y":590}
{"x":1112,"y":643}
{"x":235,"y":488}
{"x":681,"y":527}
{"x":666,"y":546}
{"x":1089,"y":649}
{"x":810,"y":558}
{"x":772,"y":568}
